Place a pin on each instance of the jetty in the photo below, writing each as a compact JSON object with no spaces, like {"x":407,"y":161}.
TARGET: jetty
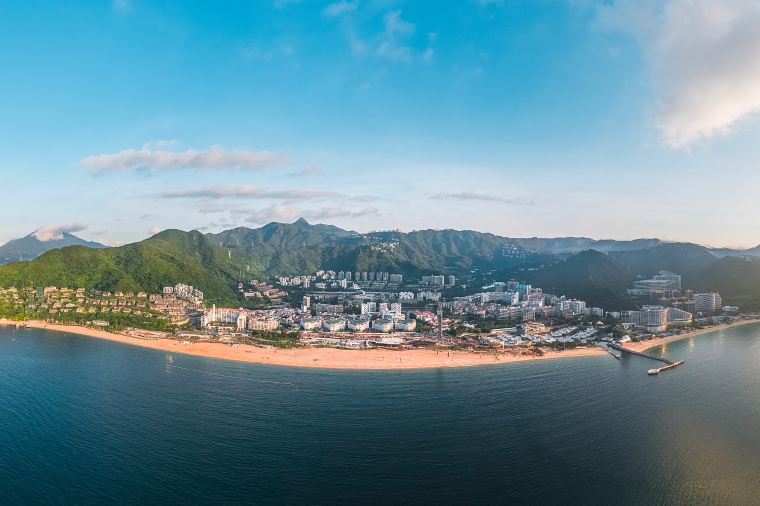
{"x":669,"y":364}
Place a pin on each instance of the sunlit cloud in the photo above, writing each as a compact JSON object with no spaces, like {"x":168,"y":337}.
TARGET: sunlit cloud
{"x":49,"y":233}
{"x":254,"y":192}
{"x":704,"y":57}
{"x":151,"y":157}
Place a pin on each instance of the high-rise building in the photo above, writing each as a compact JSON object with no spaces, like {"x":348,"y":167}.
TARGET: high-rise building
{"x":664,"y":280}
{"x":656,"y":318}
{"x":708,"y":302}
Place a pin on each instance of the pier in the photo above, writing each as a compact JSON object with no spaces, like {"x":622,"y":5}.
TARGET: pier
{"x":669,"y":364}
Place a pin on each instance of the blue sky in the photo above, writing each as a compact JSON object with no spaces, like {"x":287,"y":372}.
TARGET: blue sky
{"x":523,"y":118}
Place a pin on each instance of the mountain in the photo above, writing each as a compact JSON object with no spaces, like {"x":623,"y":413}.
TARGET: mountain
{"x":167,"y":258}
{"x":215,"y":263}
{"x":30,"y":247}
{"x":737,"y":279}
{"x":564,"y":245}
{"x":590,"y":275}
{"x":277,"y":237}
{"x":723,"y":252}
{"x":683,"y":258}
{"x":300,"y":247}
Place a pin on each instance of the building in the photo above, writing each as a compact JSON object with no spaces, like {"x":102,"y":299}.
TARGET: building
{"x":334,"y":325}
{"x":242,"y":321}
{"x":436,"y":280}
{"x":321,"y":308}
{"x":368,"y":308}
{"x":571,"y":307}
{"x":405,"y":325}
{"x":708,"y":302}
{"x":656,"y":318}
{"x":382,"y":325}
{"x":358,"y":325}
{"x":664,"y":280}
{"x":263,"y":324}
{"x":311,"y":324}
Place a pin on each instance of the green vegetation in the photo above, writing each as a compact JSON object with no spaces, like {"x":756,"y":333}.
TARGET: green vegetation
{"x":163,"y":260}
{"x":215,"y":263}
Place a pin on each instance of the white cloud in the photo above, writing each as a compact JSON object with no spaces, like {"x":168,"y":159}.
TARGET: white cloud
{"x":121,"y":5}
{"x":154,"y":230}
{"x":254,"y":192}
{"x":483,"y":197}
{"x":151,"y":157}
{"x":704,"y":56}
{"x":111,"y":243}
{"x":393,"y":43}
{"x":287,"y":213}
{"x":341,"y":8}
{"x":55,"y":232}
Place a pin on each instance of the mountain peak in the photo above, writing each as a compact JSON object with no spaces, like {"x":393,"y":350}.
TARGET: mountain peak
{"x":32,"y":246}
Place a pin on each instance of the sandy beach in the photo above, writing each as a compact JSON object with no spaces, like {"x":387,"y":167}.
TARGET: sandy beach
{"x":328,"y":358}
{"x":331,"y":358}
{"x":654,"y":343}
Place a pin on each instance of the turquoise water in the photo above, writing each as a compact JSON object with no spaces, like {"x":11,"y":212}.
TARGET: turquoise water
{"x":86,"y":421}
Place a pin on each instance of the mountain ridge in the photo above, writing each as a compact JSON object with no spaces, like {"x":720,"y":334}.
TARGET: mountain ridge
{"x":216,"y":262}
{"x":30,"y":247}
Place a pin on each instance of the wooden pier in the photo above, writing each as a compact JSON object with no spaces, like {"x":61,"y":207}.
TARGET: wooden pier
{"x":669,"y":364}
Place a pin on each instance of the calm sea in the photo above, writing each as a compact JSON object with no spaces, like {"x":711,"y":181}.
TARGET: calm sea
{"x":84,"y":421}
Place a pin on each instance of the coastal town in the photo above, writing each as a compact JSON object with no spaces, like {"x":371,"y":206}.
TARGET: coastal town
{"x":370,"y":310}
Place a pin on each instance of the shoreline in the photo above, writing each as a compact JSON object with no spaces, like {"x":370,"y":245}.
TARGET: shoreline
{"x":372,"y":359}
{"x":662,"y":341}
{"x":321,"y":358}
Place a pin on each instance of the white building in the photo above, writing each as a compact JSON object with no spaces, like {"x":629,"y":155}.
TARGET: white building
{"x":263,"y":324}
{"x":334,"y":325}
{"x":382,"y":325}
{"x":358,"y":325}
{"x":405,"y":325}
{"x":657,"y":318}
{"x":708,"y":302}
{"x":311,"y":323}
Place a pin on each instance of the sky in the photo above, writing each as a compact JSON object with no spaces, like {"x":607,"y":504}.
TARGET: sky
{"x":597,"y":118}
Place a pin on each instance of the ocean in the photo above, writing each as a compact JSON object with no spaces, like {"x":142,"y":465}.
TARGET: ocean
{"x":87,"y":421}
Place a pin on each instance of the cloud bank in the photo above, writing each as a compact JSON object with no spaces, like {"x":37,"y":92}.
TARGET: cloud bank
{"x":55,"y":232}
{"x":247,"y":191}
{"x":286,"y":213}
{"x":704,"y":56}
{"x":151,"y":157}
{"x":482,"y":197}
{"x":254,"y":192}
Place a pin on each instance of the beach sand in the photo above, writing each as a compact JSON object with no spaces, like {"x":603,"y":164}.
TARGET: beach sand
{"x":331,"y":358}
{"x":328,"y":358}
{"x":662,"y":341}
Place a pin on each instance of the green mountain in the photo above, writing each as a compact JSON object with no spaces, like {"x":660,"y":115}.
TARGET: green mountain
{"x":590,"y":275}
{"x":737,"y":279}
{"x":571,"y":245}
{"x":215,"y":263}
{"x":31,"y":247}
{"x":297,"y":248}
{"x":683,"y":258}
{"x":167,"y":258}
